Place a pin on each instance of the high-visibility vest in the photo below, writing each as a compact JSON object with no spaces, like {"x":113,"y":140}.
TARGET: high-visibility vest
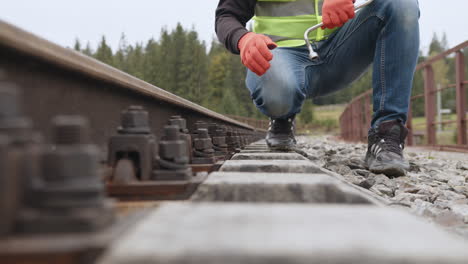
{"x":285,"y":21}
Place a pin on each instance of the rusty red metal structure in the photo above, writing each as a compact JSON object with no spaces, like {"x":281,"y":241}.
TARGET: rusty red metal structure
{"x":355,"y":119}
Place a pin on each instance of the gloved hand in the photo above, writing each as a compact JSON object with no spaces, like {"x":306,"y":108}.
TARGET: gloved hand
{"x":337,"y":12}
{"x":255,"y":52}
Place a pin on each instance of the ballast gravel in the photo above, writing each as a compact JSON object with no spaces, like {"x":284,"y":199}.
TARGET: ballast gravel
{"x":435,"y":187}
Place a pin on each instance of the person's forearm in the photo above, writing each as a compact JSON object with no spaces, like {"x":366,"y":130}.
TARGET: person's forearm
{"x":231,"y":18}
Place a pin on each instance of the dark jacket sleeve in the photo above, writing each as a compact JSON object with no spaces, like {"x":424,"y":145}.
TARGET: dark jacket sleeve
{"x":231,"y":18}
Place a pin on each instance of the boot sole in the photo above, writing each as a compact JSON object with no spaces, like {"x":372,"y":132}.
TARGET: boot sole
{"x":392,"y":170}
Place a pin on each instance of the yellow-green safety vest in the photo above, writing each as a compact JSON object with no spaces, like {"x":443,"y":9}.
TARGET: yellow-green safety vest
{"x":285,"y":21}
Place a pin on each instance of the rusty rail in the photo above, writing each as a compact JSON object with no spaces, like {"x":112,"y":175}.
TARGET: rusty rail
{"x":355,"y":120}
{"x":56,"y":80}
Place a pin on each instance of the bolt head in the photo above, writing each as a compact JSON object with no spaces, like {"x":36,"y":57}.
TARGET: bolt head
{"x":180,"y":122}
{"x":134,"y":120}
{"x":70,"y":130}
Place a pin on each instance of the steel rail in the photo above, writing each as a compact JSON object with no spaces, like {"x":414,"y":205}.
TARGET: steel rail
{"x":58,"y":80}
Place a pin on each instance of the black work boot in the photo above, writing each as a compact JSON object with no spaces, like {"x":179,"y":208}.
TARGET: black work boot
{"x":385,"y":149}
{"x":280,"y":134}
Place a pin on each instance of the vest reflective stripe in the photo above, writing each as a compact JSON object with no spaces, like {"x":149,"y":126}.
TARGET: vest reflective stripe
{"x":285,"y":21}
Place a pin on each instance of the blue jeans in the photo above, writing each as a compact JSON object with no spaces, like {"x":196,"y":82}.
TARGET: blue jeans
{"x":385,"y":34}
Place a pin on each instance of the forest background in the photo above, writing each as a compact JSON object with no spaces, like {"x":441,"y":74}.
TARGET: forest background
{"x":179,"y":62}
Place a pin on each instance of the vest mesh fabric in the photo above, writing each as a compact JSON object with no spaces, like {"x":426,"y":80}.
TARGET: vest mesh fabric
{"x":285,"y":21}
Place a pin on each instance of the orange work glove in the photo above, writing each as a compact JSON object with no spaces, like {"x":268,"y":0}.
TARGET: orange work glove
{"x":255,"y":52}
{"x":337,"y":12}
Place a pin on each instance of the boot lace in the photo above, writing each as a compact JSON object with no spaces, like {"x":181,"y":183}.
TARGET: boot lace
{"x":281,"y":126}
{"x":391,"y":142}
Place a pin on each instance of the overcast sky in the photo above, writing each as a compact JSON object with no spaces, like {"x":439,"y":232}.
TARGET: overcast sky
{"x":62,"y":21}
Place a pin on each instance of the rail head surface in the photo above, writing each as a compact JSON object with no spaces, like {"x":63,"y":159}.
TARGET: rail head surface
{"x":32,"y":45}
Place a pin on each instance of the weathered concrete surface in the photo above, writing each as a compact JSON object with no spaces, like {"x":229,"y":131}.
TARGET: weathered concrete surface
{"x":299,"y":166}
{"x":261,"y":151}
{"x":259,"y":142}
{"x":276,"y":234}
{"x":268,"y":156}
{"x":256,"y":147}
{"x":276,"y":187}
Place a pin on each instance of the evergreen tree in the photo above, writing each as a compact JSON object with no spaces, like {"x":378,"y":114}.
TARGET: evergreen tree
{"x":217,"y":73}
{"x":135,"y":61}
{"x":88,"y":50}
{"x":165,"y":60}
{"x":121,"y":55}
{"x":178,"y":62}
{"x":152,"y":65}
{"x":193,"y":67}
{"x":77,"y":45}
{"x":437,"y":46}
{"x":104,"y":52}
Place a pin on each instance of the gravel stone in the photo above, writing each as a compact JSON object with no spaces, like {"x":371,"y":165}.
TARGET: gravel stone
{"x":367,"y":184}
{"x":407,"y":187}
{"x":360,"y":172}
{"x":449,"y":195}
{"x":409,"y":197}
{"x":456,"y":181}
{"x":461,"y":190}
{"x":424,"y":208}
{"x":382,"y":189}
{"x":461,"y":210}
{"x":461,"y":166}
{"x":414,"y":167}
{"x":358,"y":180}
{"x":355,"y":164}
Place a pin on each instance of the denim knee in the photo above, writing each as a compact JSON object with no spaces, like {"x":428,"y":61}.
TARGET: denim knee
{"x":278,"y":93}
{"x":279,"y":103}
{"x":405,"y":11}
